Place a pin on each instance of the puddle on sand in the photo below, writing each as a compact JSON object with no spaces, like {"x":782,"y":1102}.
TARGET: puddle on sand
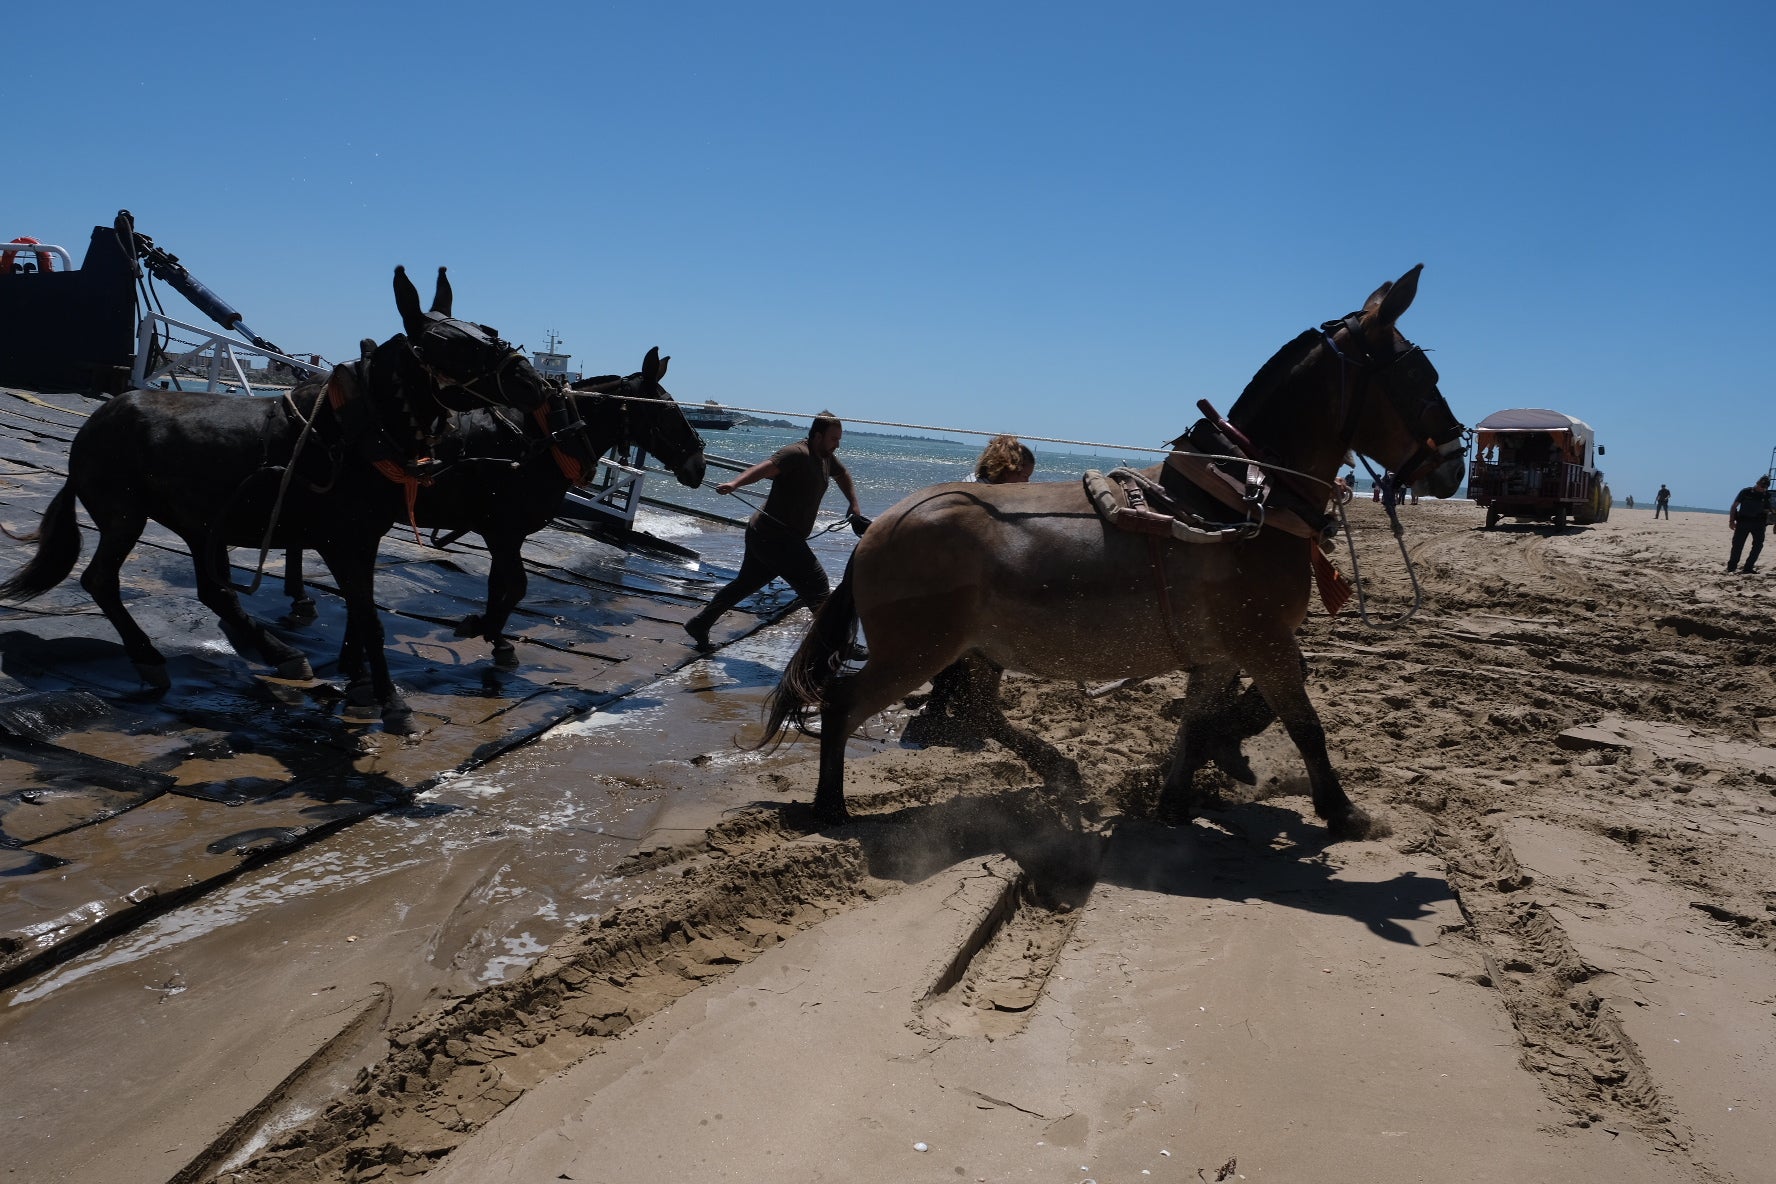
{"x":563,"y":810}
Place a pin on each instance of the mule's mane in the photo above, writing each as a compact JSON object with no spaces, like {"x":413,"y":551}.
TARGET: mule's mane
{"x":1276,"y":373}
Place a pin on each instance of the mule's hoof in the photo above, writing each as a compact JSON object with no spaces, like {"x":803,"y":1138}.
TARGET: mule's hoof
{"x":1173,"y":810}
{"x":1355,"y":824}
{"x":154,"y":674}
{"x":296,"y":669}
{"x":302,"y":612}
{"x":360,"y":705}
{"x":469,"y":626}
{"x":505,"y":654}
{"x":397,"y":719}
{"x":829,"y":813}
{"x":1233,"y":762}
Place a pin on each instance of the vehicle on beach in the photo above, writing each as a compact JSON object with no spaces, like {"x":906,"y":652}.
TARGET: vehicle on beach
{"x":1536,"y":465}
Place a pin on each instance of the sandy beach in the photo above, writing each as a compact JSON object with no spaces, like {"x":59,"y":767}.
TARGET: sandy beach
{"x":1558,"y":964}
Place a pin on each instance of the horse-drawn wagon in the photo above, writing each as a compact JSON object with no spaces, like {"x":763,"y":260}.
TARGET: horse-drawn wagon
{"x":1539,"y":466}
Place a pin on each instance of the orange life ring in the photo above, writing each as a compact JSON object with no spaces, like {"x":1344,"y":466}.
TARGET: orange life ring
{"x":45,"y":261}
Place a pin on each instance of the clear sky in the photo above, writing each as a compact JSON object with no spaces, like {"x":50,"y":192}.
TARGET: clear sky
{"x":1062,"y":220}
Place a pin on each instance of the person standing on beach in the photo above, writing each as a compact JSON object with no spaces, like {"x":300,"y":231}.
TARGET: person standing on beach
{"x":777,"y":533}
{"x":955,"y":689}
{"x":1662,"y":504}
{"x":1748,"y":515}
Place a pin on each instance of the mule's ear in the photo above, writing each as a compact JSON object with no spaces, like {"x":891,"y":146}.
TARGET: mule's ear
{"x":442,"y":297}
{"x":1396,"y":298}
{"x":407,"y":301}
{"x":1376,"y":297}
{"x":665,"y":362}
{"x":651,"y":366}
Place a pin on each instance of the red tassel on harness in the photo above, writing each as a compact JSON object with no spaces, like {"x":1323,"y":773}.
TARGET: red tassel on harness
{"x":1335,"y":590}
{"x":570,"y":467}
{"x":400,"y":476}
{"x":338,"y":396}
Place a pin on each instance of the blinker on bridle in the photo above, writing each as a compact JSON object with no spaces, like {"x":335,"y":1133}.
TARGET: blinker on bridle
{"x":1414,"y":371}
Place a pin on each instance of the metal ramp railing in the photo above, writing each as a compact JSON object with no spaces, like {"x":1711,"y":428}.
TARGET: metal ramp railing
{"x":175,"y":355}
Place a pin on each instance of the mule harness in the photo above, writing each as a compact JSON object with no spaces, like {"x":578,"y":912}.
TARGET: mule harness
{"x":344,"y":395}
{"x":1217,"y":459}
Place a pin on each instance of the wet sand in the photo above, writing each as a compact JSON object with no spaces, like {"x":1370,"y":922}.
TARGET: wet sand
{"x":1558,"y":964}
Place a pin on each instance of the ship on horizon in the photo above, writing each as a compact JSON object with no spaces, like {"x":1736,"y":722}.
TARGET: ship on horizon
{"x":552,"y":362}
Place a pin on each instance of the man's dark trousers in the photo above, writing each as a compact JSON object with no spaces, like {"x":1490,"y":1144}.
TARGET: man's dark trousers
{"x":770,"y":554}
{"x":1755,"y":532}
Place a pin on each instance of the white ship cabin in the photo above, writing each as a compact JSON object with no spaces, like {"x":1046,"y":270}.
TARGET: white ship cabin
{"x":554,"y":365}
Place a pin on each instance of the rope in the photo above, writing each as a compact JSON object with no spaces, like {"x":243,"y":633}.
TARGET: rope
{"x":277,"y":506}
{"x":927,"y":427}
{"x":1357,"y":574}
{"x":29,"y":398}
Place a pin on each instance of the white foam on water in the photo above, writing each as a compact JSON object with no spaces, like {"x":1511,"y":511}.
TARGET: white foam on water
{"x":521,"y":951}
{"x":585,"y":725}
{"x":668,"y":526}
{"x":325,"y":870}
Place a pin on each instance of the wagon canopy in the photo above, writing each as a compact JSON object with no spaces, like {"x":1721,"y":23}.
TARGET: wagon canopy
{"x":1575,"y":435}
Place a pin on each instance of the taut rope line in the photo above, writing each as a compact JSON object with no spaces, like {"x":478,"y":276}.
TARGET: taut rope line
{"x":926,"y":427}
{"x":1344,"y":524}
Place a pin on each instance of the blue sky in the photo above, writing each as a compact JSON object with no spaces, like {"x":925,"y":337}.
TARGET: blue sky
{"x":1059,"y":220}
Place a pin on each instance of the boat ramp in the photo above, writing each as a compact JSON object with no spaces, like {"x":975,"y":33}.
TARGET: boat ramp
{"x":118,"y":803}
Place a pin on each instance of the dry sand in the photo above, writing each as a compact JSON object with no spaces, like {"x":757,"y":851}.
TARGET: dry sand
{"x":1557,"y":966}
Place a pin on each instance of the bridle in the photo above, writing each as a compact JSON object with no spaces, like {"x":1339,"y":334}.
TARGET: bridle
{"x":1410,"y":382}
{"x":440,"y":331}
{"x":628,"y":433}
{"x":566,"y":436}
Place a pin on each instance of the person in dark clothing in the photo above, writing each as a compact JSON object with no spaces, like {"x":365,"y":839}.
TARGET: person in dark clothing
{"x":1748,"y":515}
{"x":777,"y":533}
{"x":1662,"y":504}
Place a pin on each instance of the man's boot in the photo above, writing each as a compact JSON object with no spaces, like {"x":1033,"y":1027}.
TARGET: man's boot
{"x":698,"y":628}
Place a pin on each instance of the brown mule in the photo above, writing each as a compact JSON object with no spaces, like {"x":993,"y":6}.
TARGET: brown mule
{"x":1030,"y":577}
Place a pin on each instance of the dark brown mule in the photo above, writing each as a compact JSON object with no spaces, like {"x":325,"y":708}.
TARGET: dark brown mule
{"x":1030,"y":577}
{"x":510,"y":478}
{"x":314,"y":469}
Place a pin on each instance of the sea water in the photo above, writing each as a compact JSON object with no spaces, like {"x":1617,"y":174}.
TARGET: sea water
{"x":884,"y":468}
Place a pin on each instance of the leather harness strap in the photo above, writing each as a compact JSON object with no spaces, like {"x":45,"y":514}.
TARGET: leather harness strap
{"x":342,"y":393}
{"x":570,"y":467}
{"x":1219,"y":484}
{"x":1206,"y":474}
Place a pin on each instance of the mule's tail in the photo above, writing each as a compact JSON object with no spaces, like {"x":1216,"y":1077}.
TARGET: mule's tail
{"x":801,"y":692}
{"x":58,"y":549}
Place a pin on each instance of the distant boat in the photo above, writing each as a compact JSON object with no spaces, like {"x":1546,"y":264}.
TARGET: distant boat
{"x":710,"y":416}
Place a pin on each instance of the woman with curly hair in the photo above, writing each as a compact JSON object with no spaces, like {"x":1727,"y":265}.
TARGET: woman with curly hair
{"x":949,"y":715}
{"x":1004,"y":461}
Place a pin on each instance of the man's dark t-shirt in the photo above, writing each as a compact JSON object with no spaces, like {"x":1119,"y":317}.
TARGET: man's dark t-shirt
{"x":1754,"y":505}
{"x":796,"y":491}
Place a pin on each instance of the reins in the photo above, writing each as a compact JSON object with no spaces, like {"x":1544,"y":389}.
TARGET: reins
{"x":1390,"y":504}
{"x":1257,"y":513}
{"x":277,"y":506}
{"x":758,"y":503}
